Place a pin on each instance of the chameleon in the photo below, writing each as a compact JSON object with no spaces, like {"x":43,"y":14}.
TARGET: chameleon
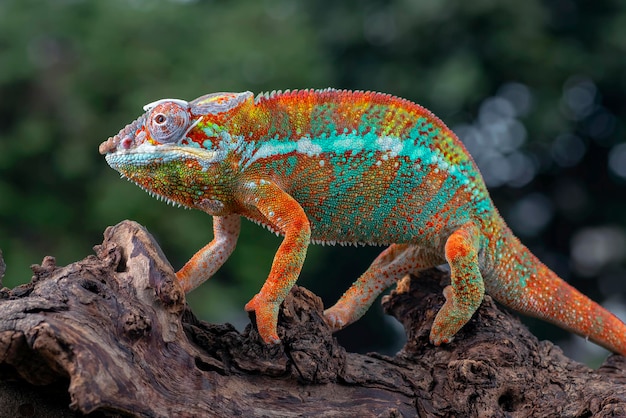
{"x":349,"y":167}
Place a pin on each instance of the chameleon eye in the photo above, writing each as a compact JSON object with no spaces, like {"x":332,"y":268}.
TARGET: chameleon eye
{"x":160,"y":119}
{"x":168,"y":122}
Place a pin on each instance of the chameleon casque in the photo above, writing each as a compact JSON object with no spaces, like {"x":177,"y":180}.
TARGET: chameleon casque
{"x":334,"y":166}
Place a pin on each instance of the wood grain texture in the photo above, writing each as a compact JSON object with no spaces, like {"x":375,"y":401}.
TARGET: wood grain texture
{"x":115,"y":331}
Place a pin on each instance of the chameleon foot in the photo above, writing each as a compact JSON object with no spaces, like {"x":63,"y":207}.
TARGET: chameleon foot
{"x":266,"y":318}
{"x":337,"y":317}
{"x":449,"y":320}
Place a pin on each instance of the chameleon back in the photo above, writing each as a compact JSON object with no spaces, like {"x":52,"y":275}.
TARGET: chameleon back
{"x":408,"y":174}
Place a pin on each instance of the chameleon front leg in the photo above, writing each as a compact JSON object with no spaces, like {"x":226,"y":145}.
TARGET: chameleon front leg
{"x":212,"y":256}
{"x":466,"y":291}
{"x":284,"y":214}
{"x":390,"y":266}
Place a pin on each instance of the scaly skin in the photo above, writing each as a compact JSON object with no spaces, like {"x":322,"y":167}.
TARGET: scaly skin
{"x":338,"y":166}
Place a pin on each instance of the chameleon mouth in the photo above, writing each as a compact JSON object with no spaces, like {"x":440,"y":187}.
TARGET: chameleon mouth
{"x":124,"y":140}
{"x":148,"y":165}
{"x":146,"y":153}
{"x":170,"y":173}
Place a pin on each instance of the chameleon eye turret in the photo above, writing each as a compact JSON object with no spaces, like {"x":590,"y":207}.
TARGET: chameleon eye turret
{"x":168,"y":121}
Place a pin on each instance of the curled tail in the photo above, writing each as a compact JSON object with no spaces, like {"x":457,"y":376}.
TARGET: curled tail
{"x":520,"y":281}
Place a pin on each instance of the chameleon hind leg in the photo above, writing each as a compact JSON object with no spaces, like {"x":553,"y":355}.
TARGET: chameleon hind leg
{"x":466,"y":291}
{"x":463,"y":296}
{"x":390,"y":266}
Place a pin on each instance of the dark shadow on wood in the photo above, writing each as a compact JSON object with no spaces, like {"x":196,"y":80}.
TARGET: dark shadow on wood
{"x":114,"y":332}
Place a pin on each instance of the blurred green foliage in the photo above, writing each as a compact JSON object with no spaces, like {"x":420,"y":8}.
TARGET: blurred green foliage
{"x":536,"y":89}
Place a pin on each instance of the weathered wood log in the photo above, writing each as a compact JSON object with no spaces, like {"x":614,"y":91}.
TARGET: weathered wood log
{"x":114,"y":332}
{"x":2,"y":268}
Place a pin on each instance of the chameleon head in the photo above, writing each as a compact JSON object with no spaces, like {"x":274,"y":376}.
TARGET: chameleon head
{"x":177,"y":149}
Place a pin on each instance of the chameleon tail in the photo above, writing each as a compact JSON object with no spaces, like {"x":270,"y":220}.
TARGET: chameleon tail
{"x":528,"y":286}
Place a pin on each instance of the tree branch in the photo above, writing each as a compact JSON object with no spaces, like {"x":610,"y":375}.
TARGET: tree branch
{"x":115,"y":329}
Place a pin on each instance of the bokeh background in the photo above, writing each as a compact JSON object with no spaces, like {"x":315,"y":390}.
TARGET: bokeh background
{"x":535,"y":89}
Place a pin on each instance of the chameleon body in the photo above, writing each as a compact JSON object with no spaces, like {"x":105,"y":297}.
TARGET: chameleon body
{"x":330,"y":166}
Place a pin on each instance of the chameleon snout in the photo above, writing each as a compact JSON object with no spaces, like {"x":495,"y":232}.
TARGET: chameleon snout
{"x":114,"y":143}
{"x":108,"y":146}
{"x":125,"y":139}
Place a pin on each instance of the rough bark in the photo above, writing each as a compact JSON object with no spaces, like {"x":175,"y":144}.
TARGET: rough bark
{"x":2,"y":268}
{"x":114,"y":333}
